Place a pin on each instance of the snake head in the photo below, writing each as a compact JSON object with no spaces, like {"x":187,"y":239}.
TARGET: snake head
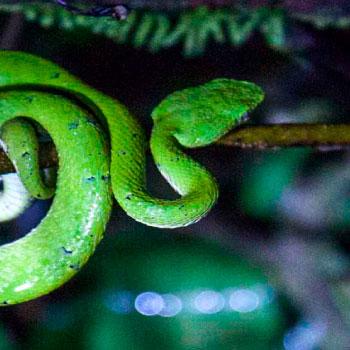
{"x":201,"y":115}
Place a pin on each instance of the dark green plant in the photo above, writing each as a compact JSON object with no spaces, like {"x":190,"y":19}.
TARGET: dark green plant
{"x":193,"y":28}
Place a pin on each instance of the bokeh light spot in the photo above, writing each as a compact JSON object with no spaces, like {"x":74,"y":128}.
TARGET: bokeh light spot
{"x":209,"y":302}
{"x":244,"y":300}
{"x":149,"y":303}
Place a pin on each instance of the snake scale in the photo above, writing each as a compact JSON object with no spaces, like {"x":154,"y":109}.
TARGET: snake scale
{"x":34,"y":91}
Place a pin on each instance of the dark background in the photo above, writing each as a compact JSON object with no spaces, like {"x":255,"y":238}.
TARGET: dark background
{"x":282,"y":212}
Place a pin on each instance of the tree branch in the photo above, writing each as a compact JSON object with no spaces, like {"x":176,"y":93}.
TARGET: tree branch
{"x":321,"y":136}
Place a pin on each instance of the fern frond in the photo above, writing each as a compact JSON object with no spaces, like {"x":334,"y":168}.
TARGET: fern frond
{"x":240,"y":25}
{"x":193,"y":28}
{"x":323,"y":21}
{"x":273,"y":28}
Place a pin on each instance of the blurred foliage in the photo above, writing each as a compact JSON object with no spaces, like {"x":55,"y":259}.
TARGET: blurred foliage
{"x":4,"y":340}
{"x":342,"y":295}
{"x":281,"y":183}
{"x":193,"y":29}
{"x":278,"y":186}
{"x":223,"y":301}
{"x":265,"y":182}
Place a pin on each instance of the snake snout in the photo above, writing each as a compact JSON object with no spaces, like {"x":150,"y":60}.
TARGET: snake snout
{"x":201,"y":115}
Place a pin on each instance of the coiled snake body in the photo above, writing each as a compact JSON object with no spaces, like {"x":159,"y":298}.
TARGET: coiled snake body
{"x":33,"y":89}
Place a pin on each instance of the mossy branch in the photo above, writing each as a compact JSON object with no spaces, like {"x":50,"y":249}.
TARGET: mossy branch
{"x":320,"y":136}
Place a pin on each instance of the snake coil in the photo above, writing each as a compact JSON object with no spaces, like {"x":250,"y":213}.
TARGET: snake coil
{"x":33,"y":89}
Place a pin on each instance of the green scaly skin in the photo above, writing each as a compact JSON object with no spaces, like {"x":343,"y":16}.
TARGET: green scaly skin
{"x":33,"y":88}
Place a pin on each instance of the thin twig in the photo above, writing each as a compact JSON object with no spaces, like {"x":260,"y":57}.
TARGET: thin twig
{"x":321,"y":136}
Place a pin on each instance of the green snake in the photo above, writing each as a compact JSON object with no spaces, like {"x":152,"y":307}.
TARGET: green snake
{"x":34,"y":91}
